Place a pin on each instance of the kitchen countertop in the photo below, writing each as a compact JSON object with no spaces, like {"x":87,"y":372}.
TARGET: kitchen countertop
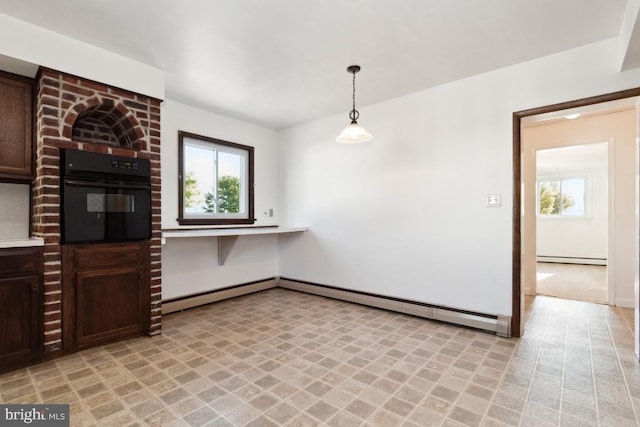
{"x":21,"y":243}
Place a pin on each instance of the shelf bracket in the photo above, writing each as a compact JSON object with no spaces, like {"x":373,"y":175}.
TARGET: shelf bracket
{"x":225,"y":244}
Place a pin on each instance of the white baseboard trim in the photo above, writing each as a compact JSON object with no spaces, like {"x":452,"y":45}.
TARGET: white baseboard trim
{"x":498,"y":324}
{"x":216,"y":295}
{"x":624,"y":302}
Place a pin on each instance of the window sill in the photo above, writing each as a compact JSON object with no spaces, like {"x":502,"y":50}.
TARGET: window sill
{"x":213,"y":222}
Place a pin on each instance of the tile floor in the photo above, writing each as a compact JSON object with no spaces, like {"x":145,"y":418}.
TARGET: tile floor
{"x":284,"y":358}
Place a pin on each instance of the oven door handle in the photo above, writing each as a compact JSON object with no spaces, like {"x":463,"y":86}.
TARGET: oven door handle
{"x":123,"y":186}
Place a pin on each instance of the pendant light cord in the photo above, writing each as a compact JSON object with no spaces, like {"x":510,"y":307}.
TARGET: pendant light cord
{"x":354,"y":114}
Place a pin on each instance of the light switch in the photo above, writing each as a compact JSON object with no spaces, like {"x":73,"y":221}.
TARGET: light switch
{"x":493,"y":200}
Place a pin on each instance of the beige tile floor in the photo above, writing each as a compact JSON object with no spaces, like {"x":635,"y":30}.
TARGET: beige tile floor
{"x":281,"y":357}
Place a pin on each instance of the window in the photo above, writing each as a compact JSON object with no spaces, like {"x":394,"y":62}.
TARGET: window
{"x":215,"y":181}
{"x":562,"y":197}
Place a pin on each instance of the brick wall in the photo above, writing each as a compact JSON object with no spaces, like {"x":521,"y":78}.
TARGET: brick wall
{"x":85,"y":115}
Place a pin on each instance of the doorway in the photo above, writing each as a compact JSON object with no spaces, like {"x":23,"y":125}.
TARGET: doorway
{"x":524,"y":250}
{"x":571,"y":191}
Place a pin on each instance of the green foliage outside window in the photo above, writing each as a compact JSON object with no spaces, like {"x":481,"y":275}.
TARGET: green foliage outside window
{"x":191,"y":192}
{"x":228,"y":194}
{"x":209,"y":203}
{"x":551,"y":199}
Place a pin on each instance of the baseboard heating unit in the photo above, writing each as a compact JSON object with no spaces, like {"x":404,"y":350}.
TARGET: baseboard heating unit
{"x":498,"y":324}
{"x":571,"y":260}
{"x":190,"y":301}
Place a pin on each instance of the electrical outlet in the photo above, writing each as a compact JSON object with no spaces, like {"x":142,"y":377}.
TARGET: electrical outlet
{"x":270,"y":213}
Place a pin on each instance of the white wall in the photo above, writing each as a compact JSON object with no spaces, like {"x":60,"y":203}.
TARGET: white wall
{"x":189,"y":265}
{"x":405,"y":214}
{"x":14,"y":211}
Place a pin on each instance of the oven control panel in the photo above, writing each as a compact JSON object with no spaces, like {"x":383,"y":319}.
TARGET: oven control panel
{"x":125,"y":164}
{"x":102,"y":166}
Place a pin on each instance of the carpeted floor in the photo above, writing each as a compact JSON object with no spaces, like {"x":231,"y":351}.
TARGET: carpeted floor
{"x":573,"y":281}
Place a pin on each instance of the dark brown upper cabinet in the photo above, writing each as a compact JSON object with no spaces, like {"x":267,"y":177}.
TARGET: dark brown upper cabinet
{"x":16,"y":128}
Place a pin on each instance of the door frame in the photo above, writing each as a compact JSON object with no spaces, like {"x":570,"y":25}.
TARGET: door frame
{"x":517,"y":291}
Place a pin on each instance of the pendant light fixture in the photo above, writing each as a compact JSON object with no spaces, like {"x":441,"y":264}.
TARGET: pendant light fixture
{"x":354,"y":132}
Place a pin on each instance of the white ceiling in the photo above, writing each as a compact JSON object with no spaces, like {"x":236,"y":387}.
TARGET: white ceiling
{"x":279,"y":63}
{"x":557,"y":161}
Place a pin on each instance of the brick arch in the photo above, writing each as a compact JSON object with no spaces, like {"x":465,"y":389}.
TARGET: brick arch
{"x":104,"y":120}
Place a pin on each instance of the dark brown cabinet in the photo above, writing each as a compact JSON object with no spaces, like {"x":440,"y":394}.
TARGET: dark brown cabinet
{"x":21,"y":307}
{"x":16,"y":127}
{"x":106,"y":290}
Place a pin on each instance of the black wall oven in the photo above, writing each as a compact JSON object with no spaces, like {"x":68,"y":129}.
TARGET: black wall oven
{"x":104,"y":198}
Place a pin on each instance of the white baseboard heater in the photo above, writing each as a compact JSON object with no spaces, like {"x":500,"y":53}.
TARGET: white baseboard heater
{"x":571,"y":260}
{"x":498,"y":324}
{"x":190,"y":301}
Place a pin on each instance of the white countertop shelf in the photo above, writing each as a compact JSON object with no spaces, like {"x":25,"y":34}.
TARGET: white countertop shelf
{"x":21,"y":243}
{"x":240,"y":231}
{"x":227,"y":236}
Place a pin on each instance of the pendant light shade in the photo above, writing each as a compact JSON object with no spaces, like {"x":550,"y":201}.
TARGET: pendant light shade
{"x":354,"y":133}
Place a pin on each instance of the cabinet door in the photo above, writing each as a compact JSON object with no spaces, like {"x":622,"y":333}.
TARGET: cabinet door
{"x":15,"y":128}
{"x":110,"y":303}
{"x":20,"y":330}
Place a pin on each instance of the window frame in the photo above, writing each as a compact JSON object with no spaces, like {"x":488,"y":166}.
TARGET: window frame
{"x":249,"y":218}
{"x":586,"y":178}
